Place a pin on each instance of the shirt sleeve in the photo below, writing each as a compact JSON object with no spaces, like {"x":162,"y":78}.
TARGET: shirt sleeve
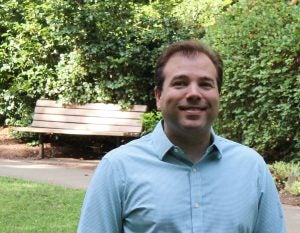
{"x":102,"y":207}
{"x":270,"y":214}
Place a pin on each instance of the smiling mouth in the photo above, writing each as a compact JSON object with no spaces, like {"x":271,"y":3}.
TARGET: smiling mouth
{"x":193,"y":108}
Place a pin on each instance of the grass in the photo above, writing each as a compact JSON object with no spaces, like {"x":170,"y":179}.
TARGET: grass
{"x":30,"y":207}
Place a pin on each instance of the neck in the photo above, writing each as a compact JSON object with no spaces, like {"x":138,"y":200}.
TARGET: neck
{"x":193,"y":144}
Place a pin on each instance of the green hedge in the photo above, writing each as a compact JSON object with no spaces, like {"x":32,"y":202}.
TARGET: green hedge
{"x":82,"y":51}
{"x":259,"y":41}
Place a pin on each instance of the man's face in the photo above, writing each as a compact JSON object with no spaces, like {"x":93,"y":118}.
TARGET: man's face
{"x":189,"y":99}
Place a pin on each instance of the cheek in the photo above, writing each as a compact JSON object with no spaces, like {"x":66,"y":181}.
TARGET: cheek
{"x":216,"y":104}
{"x":216,"y":101}
{"x":161,"y":103}
{"x":214,"y":97}
{"x":213,"y":101}
{"x":169,"y":99}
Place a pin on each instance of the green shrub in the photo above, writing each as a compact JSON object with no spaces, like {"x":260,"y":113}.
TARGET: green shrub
{"x":88,"y":51}
{"x":259,"y":42}
{"x":294,"y":188}
{"x":282,"y":171}
{"x":150,"y":119}
{"x":82,"y":51}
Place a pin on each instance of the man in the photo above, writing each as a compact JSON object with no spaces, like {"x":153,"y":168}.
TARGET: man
{"x":182,"y":177}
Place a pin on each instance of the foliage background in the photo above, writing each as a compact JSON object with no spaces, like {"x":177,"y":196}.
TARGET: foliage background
{"x":104,"y":51}
{"x":260,"y":44}
{"x":82,"y":51}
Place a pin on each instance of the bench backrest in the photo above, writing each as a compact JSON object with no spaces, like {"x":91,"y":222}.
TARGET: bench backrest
{"x":91,"y":119}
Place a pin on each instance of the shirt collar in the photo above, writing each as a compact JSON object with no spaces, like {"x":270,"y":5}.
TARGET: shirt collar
{"x":217,"y":144}
{"x":161,"y":143}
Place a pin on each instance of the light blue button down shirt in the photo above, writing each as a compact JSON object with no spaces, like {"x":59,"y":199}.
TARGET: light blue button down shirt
{"x":149,"y":185}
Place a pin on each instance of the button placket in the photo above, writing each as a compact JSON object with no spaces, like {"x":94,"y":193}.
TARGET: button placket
{"x":196,"y":205}
{"x":195,"y":187}
{"x":196,"y":210}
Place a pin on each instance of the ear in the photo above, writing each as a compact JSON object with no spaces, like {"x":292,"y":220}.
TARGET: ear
{"x":157,"y":93}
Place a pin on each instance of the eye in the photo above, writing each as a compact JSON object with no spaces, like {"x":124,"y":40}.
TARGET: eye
{"x":207,"y":85}
{"x":179,"y":83}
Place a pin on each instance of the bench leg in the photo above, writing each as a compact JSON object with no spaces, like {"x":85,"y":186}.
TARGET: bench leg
{"x":41,"y":143}
{"x":118,"y":141}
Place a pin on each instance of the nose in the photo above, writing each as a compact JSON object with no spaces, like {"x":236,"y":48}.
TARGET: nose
{"x":193,"y":92}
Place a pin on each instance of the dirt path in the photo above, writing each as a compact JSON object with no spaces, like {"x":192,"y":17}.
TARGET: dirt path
{"x":13,"y":149}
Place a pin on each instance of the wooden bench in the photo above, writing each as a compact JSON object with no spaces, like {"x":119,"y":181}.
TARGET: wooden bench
{"x":100,"y":119}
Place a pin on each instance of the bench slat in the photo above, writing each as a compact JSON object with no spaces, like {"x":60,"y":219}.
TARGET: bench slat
{"x":87,"y":120}
{"x":88,"y":112}
{"x":98,"y":106}
{"x":87,"y":127}
{"x":98,"y":119}
{"x":76,"y":132}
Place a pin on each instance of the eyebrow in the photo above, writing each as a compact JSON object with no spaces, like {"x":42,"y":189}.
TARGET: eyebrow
{"x":203,"y":78}
{"x":180,"y":76}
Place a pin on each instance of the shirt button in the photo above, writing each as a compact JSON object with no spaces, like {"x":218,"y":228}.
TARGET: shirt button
{"x":196,"y":205}
{"x":194,"y":170}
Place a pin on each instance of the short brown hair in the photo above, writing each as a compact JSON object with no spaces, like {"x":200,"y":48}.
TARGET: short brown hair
{"x":187,"y":48}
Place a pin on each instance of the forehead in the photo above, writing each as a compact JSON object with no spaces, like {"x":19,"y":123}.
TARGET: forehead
{"x":198,"y":64}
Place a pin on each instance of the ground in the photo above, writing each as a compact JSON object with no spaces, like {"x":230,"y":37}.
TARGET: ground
{"x":14,"y":149}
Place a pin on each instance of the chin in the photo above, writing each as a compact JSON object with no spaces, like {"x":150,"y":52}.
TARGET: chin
{"x":194,"y":127}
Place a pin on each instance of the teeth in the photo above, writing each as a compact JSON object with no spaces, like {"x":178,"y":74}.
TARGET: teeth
{"x":192,"y":108}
